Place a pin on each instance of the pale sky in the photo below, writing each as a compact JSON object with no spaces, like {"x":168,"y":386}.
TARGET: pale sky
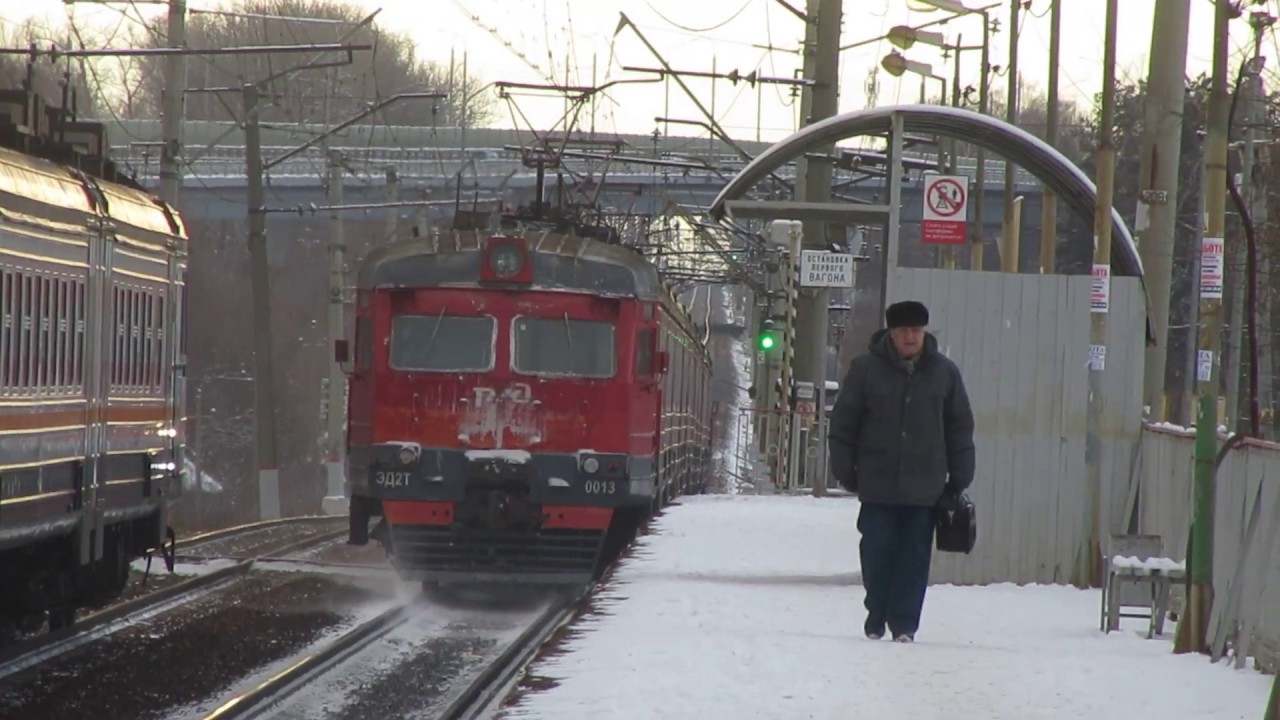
{"x":560,"y":33}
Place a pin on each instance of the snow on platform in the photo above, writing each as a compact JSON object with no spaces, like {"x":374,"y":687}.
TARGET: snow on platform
{"x":749,"y":607}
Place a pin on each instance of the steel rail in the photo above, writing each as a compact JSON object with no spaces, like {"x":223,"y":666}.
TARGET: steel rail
{"x":284,"y":683}
{"x":37,"y":649}
{"x":221,"y":533}
{"x":488,"y":688}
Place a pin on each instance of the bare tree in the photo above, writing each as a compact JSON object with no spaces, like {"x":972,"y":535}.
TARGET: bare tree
{"x":313,"y":96}
{"x":46,"y":77}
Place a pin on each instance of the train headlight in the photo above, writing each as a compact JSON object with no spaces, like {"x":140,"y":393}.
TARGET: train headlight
{"x":506,"y":260}
{"x":408,"y":454}
{"x":590,"y":465}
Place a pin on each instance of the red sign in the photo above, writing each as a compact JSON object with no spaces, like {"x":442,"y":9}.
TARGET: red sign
{"x":946,"y":210}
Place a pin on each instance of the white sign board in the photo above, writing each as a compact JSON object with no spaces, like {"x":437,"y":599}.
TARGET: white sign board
{"x":819,"y":268}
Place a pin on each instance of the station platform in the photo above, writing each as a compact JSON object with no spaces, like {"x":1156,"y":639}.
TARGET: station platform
{"x":740,"y":606}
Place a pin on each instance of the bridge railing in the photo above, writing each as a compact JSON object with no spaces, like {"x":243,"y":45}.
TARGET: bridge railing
{"x":437,"y":162}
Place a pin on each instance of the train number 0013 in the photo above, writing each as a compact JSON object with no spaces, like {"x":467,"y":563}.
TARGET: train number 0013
{"x":600,"y":487}
{"x":387,"y":478}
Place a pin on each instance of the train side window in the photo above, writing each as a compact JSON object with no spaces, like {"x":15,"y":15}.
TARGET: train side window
{"x":8,"y":329}
{"x":645,"y":342}
{"x":4,"y":331}
{"x":442,"y":343}
{"x":78,"y":341}
{"x":563,"y":347}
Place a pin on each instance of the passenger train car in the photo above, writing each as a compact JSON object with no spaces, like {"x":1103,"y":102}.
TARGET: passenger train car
{"x":91,"y":283}
{"x":514,"y":399}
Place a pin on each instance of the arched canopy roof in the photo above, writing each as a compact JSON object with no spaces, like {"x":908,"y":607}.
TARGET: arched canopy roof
{"x":1026,"y":150}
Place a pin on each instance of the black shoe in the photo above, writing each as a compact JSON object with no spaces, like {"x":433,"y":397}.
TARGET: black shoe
{"x":904,"y":637}
{"x":873,"y":628}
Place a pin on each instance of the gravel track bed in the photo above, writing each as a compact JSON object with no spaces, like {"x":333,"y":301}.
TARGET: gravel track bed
{"x":416,"y":670}
{"x":252,"y":542}
{"x":182,"y":657}
{"x":371,"y":555}
{"x":421,"y":684}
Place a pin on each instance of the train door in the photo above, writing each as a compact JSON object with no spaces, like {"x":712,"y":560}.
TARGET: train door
{"x":100,"y":333}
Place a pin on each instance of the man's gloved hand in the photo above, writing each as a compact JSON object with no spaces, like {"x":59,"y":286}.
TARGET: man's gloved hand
{"x":850,"y":483}
{"x":950,"y":499}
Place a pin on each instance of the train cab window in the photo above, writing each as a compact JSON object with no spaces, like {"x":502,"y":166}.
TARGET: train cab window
{"x":563,"y":347}
{"x":645,"y":342}
{"x":442,"y":343}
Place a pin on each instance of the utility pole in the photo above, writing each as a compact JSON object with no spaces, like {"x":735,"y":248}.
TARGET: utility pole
{"x":336,"y":381}
{"x":1252,"y":93}
{"x":1048,"y":198}
{"x":977,"y":251}
{"x":1012,"y":235}
{"x":260,"y":279}
{"x":1158,"y":184}
{"x":818,"y":101}
{"x":175,"y":86}
{"x":1208,"y":347}
{"x":1100,"y":296}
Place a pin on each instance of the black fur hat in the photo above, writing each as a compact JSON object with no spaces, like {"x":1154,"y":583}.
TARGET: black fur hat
{"x":907,"y":313}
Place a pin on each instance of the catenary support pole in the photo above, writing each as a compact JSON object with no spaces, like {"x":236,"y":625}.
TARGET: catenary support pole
{"x":819,"y":101}
{"x":335,"y":380}
{"x":1158,"y":185}
{"x":1049,"y":199}
{"x":977,"y":235}
{"x":1010,"y":253}
{"x":1100,"y":296}
{"x":175,"y":85}
{"x":260,"y":279}
{"x":1208,"y":347}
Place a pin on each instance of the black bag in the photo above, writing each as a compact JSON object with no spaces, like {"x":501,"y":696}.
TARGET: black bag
{"x":956,"y":524}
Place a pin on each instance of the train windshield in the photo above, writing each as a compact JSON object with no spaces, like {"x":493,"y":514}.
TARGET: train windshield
{"x":563,"y":347}
{"x":442,"y":343}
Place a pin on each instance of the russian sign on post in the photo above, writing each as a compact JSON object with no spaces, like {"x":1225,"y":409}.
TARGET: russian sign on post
{"x":1212,"y":261}
{"x":819,"y":268}
{"x":946,"y":210}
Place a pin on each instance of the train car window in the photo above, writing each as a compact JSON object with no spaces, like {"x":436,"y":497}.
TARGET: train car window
{"x":77,"y":372}
{"x":564,"y":347}
{"x":644,"y":352}
{"x":442,"y":343}
{"x":6,"y":323}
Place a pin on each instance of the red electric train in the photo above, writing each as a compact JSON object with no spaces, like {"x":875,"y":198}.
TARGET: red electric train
{"x":516,"y":398}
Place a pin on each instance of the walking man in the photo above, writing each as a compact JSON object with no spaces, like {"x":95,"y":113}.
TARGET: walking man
{"x":901,"y":439}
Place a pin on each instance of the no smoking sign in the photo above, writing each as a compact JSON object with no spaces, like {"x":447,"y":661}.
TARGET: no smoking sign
{"x":946,"y":209}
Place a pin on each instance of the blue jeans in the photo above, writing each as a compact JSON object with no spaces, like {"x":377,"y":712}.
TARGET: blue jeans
{"x":896,"y":547}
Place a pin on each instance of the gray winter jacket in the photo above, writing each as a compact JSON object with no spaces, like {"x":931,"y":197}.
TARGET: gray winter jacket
{"x":899,"y":429}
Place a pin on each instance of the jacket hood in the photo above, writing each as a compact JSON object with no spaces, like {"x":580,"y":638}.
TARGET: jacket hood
{"x":882,"y":345}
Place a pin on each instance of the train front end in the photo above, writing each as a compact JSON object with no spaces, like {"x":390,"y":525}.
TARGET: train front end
{"x":491,"y":433}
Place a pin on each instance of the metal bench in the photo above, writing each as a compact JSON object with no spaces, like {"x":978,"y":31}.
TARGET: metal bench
{"x":1138,"y":576}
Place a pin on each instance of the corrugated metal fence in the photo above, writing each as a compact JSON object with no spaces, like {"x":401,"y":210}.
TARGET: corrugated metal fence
{"x":1246,"y":558}
{"x":1022,"y":343}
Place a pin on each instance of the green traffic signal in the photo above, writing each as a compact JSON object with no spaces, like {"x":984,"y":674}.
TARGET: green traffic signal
{"x":766,"y":341}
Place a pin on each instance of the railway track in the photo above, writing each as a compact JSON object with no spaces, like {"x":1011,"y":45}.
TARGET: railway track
{"x":282,"y":684}
{"x":32,"y":651}
{"x":486,"y":691}
{"x":454,"y":690}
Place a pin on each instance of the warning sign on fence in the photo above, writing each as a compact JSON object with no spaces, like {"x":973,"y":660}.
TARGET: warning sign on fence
{"x":946,"y":210}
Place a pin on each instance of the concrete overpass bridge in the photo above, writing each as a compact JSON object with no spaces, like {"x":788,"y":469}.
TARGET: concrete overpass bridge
{"x":448,"y":163}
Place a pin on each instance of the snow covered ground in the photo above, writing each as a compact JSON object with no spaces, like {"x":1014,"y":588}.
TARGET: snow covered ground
{"x":749,"y":607}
